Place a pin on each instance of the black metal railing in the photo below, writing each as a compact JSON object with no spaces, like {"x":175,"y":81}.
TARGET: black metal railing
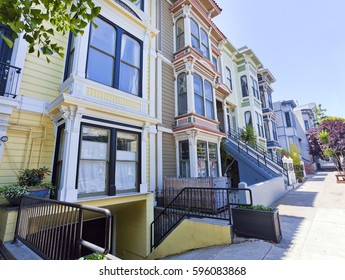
{"x":197,"y":202}
{"x":257,"y":153}
{"x":54,"y":229}
{"x":9,"y":78}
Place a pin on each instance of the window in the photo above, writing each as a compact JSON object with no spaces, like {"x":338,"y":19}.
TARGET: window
{"x":195,"y":34}
{"x":228,"y":78}
{"x":58,"y":156}
{"x":118,"y":54}
{"x":306,"y":124}
{"x":207,"y":159}
{"x":269,"y":95}
{"x":127,"y":163}
{"x":200,"y":39}
{"x":70,"y":55}
{"x":5,"y":57}
{"x":213,"y":159}
{"x":255,"y":88}
{"x":202,"y":159}
{"x":184,"y":159}
{"x":204,"y":44}
{"x":93,"y":161}
{"x":215,"y":63}
{"x":244,"y":86}
{"x":209,"y":100}
{"x":108,"y":161}
{"x":262,"y":98}
{"x":203,"y":97}
{"x":267,"y":130}
{"x":274,"y":129}
{"x":182,"y":94}
{"x":139,"y":4}
{"x":179,"y":34}
{"x":248,"y":118}
{"x":259,"y":124}
{"x":288,"y":119}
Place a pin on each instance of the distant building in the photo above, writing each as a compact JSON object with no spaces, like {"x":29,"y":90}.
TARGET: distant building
{"x":305,"y":117}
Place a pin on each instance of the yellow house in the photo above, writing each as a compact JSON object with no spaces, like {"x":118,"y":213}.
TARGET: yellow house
{"x":90,"y":117}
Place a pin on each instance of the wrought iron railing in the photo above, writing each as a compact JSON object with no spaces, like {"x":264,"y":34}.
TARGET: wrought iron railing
{"x":54,"y":229}
{"x":257,"y":153}
{"x":197,"y":202}
{"x":9,"y":78}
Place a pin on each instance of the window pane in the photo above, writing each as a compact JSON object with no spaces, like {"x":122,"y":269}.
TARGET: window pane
{"x":208,"y":91}
{"x":213,"y":157}
{"x":182,"y":93}
{"x":180,"y":34}
{"x":97,"y":61}
{"x":209,"y":109}
{"x":198,"y":84}
{"x":204,"y":38}
{"x":92,"y":176}
{"x":184,"y":159}
{"x":202,"y":159}
{"x":182,"y":104}
{"x":130,"y":51}
{"x":126,"y":173}
{"x":199,"y":104}
{"x":194,"y":29}
{"x":129,"y":79}
{"x":103,"y":37}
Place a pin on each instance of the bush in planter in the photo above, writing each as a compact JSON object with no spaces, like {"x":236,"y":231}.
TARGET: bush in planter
{"x":257,"y":221}
{"x":29,"y":182}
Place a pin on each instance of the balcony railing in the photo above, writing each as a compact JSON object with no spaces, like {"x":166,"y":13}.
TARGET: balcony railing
{"x":9,"y":77}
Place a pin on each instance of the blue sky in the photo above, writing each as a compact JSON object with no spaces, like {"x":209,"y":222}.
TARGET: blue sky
{"x":301,"y":42}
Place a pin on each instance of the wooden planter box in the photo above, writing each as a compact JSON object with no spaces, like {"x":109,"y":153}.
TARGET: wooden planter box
{"x":258,"y":224}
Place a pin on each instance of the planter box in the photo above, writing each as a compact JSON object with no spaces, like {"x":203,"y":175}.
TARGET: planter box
{"x":258,"y":224}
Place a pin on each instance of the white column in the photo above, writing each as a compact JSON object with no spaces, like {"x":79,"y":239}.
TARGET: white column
{"x":143,"y":185}
{"x":193,"y":155}
{"x":153,"y":132}
{"x":159,"y":155}
{"x":190,"y":86}
{"x":72,"y":116}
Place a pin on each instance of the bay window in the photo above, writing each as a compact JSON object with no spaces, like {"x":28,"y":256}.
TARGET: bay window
{"x":207,"y":159}
{"x":200,"y":39}
{"x":108,"y":161}
{"x":114,"y":57}
{"x":228,"y":78}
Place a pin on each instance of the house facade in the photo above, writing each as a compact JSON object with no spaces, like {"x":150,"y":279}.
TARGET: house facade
{"x":149,"y":94}
{"x":91,"y":118}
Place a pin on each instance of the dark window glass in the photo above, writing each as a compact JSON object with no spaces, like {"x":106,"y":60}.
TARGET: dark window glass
{"x":287,"y":119}
{"x":182,"y":94}
{"x":204,"y":44}
{"x":179,"y":34}
{"x":244,"y":86}
{"x":195,"y":35}
{"x":198,"y":95}
{"x":228,"y":78}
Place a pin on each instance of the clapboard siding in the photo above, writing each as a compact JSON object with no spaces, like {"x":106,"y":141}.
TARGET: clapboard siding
{"x":168,"y":96}
{"x":169,"y":155}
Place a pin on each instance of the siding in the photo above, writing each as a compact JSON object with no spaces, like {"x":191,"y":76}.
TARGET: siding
{"x":169,"y":156}
{"x":41,"y":79}
{"x":167,"y":31}
{"x":168,"y":95}
{"x":30,"y":145}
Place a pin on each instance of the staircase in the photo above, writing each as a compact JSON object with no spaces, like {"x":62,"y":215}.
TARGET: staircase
{"x":255,"y":158}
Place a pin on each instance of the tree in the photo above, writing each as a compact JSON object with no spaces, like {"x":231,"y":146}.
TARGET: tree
{"x":320,"y":114}
{"x":39,"y":20}
{"x":328,"y":140}
{"x":248,"y":136}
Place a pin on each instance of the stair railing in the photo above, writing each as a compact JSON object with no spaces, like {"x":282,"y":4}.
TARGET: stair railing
{"x":215,"y":203}
{"x":259,"y":154}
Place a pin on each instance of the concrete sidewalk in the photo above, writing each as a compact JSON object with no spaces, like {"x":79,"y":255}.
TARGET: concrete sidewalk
{"x":312,"y":219}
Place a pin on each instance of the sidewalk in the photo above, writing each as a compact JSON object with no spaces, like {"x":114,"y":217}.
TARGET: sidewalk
{"x":312,"y":219}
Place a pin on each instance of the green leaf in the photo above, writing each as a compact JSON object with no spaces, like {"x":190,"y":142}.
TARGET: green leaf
{"x":7,"y":40}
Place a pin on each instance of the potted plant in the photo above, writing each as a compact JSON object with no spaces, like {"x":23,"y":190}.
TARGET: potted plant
{"x":30,"y":182}
{"x":257,"y":221}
